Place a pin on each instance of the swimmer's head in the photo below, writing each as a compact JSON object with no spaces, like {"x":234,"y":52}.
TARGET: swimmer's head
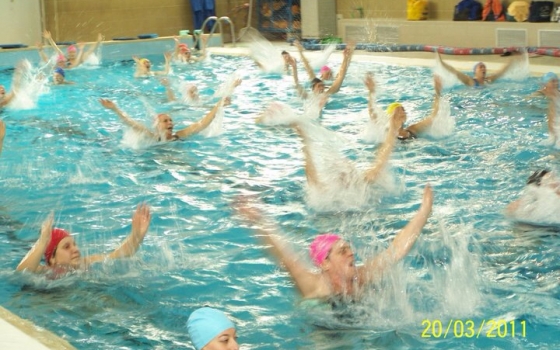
{"x":164,"y":125}
{"x":58,"y":75}
{"x":191,"y":92}
{"x":57,"y":235}
{"x":326,"y":73}
{"x":392,"y":107}
{"x":144,"y":62}
{"x":550,"y":81}
{"x":321,"y":247}
{"x":285,"y":55}
{"x":183,"y":48}
{"x":537,"y":177}
{"x":317,"y":85}
{"x":207,"y":325}
{"x":71,"y":50}
{"x":480,"y":66}
{"x":61,"y":60}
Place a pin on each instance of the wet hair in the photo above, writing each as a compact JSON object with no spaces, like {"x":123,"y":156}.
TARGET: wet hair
{"x":315,"y":81}
{"x":537,"y":176}
{"x":284,"y":52}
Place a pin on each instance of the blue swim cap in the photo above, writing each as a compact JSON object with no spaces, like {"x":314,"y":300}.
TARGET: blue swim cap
{"x":548,"y":77}
{"x":59,"y":71}
{"x":205,"y":324}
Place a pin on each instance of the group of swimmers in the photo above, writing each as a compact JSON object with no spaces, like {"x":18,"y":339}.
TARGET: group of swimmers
{"x":336,"y":274}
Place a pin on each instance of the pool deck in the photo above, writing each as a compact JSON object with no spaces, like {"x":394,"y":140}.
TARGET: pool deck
{"x":17,"y":333}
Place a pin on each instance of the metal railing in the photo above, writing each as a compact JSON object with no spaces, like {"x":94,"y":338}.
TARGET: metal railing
{"x":217,"y":23}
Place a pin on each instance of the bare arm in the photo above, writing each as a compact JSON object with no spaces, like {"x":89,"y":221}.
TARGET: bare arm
{"x":465,"y":79}
{"x":348,"y":52}
{"x":32,"y":260}
{"x":166,"y":68}
{"x":2,"y":134}
{"x":92,"y":48}
{"x":168,"y":91}
{"x":207,"y":119}
{"x":47,"y":35}
{"x":402,"y":243}
{"x":505,"y":68}
{"x":426,"y":122}
{"x":300,"y":90}
{"x":306,"y":281}
{"x":140,"y":224}
{"x":370,"y":85}
{"x":125,"y":118}
{"x":42,"y":54}
{"x":553,"y":96}
{"x":385,"y":151}
{"x":306,"y":64}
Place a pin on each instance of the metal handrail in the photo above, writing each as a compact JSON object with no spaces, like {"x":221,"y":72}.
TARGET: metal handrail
{"x":218,"y":22}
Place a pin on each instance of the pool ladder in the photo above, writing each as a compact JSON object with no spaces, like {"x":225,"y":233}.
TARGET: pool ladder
{"x":218,"y":22}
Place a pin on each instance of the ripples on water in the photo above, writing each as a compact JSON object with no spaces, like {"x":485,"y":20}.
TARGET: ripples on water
{"x":69,"y":155}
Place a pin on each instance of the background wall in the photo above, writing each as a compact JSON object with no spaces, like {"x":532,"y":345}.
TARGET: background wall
{"x":81,"y":20}
{"x":20,"y":21}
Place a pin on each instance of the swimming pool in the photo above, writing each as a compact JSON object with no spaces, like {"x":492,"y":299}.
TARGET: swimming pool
{"x":69,"y":155}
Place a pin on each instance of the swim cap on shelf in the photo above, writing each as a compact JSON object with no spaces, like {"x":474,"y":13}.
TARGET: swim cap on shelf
{"x":321,"y":246}
{"x":57,"y":235}
{"x":205,"y":324}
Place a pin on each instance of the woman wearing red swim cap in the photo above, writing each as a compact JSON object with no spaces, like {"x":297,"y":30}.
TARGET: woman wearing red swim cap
{"x":60,"y":250}
{"x":338,"y":274}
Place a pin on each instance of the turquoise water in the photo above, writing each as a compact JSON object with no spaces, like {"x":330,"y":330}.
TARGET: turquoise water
{"x":471,"y":263}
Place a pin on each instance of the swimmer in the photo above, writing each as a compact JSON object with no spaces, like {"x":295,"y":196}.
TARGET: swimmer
{"x":7,"y":97}
{"x":184,"y":54}
{"x":59,"y":77}
{"x":2,"y":134}
{"x":189,"y":93}
{"x":338,"y":274}
{"x":317,"y":85}
{"x":164,"y":123}
{"x":325,"y":73}
{"x":396,"y":108}
{"x":479,"y":72}
{"x":61,"y":252}
{"x":549,"y":83}
{"x":211,"y":329}
{"x":540,"y":179}
{"x":74,"y":56}
{"x":144,"y":66}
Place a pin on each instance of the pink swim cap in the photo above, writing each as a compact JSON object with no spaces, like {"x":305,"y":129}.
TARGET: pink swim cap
{"x":324,"y":69}
{"x":184,"y":47}
{"x":60,"y":58}
{"x":321,"y":247}
{"x":71,"y":48}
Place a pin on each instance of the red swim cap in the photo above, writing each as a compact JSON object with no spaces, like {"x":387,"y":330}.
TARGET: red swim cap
{"x":57,"y":235}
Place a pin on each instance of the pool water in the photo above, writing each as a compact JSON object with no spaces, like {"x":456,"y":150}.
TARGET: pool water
{"x":69,"y":155}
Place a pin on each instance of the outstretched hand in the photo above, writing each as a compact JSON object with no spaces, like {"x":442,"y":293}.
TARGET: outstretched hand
{"x":437,"y":84}
{"x":107,"y":103}
{"x":47,"y":34}
{"x":46,"y":229}
{"x":427,"y":199}
{"x":141,"y":221}
{"x":369,"y":82}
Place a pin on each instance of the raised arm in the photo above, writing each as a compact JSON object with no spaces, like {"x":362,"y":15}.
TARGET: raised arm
{"x":553,"y":97}
{"x":47,"y":35}
{"x":348,"y":52}
{"x":125,"y":118}
{"x":426,"y":122}
{"x":140,"y":224}
{"x":306,"y":64}
{"x":2,"y":134}
{"x":370,"y":85}
{"x":306,"y":281}
{"x":168,"y":91}
{"x":515,"y":58}
{"x":32,"y":260}
{"x":374,"y":268}
{"x":300,"y":90}
{"x":465,"y":79}
{"x":92,"y":48}
{"x":42,"y":54}
{"x":207,"y":119}
{"x":166,"y":68}
{"x":386,"y":149}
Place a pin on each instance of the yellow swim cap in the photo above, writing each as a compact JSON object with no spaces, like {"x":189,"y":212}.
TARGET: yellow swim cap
{"x":391,"y":108}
